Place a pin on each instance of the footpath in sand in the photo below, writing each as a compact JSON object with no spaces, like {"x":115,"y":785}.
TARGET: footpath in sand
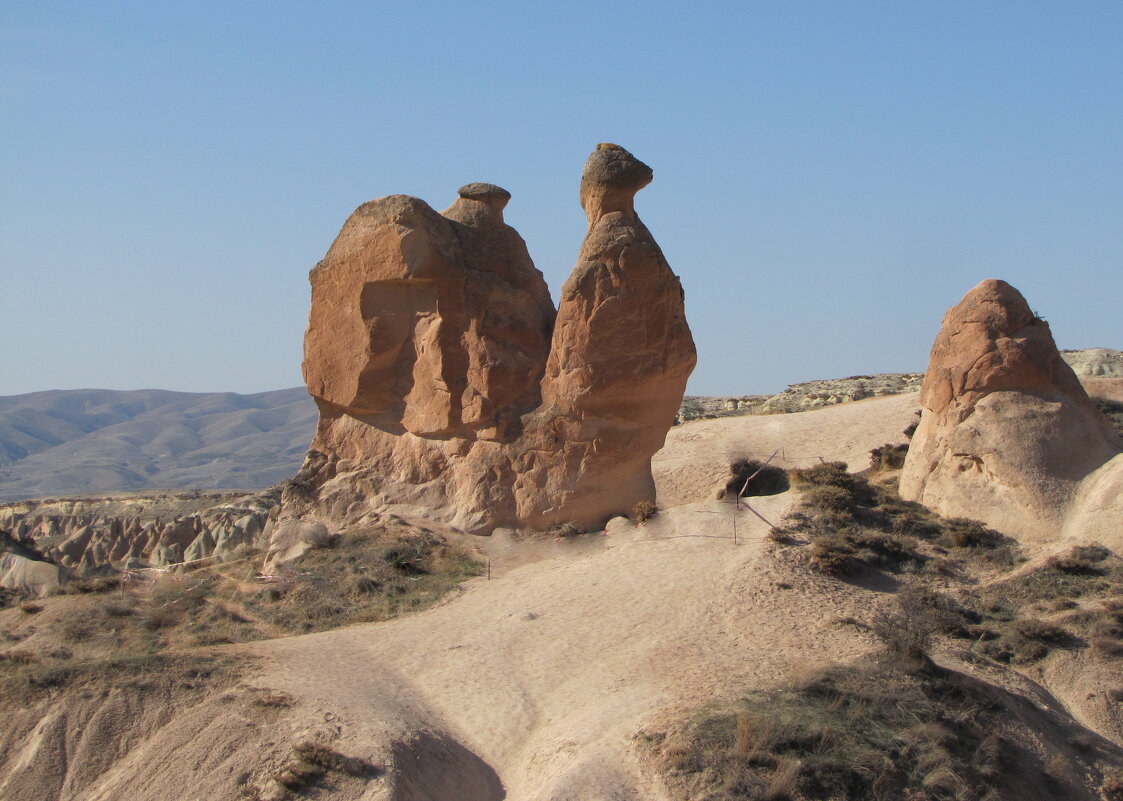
{"x":533,"y":684}
{"x":542,"y":683}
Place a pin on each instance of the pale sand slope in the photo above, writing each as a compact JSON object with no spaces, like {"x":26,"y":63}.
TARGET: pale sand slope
{"x":533,"y":686}
{"x":546,"y":672}
{"x":695,"y":461}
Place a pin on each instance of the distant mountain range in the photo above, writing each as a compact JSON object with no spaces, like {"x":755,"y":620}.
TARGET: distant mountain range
{"x":99,"y":440}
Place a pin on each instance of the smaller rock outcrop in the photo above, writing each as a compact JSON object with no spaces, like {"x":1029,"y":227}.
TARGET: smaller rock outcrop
{"x":1007,"y":433}
{"x":83,"y":535}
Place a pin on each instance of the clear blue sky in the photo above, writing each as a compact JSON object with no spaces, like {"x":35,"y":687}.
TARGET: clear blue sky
{"x":829,"y":176}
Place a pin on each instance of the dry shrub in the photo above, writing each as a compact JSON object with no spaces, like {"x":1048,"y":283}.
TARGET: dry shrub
{"x":92,"y":584}
{"x":831,"y":498}
{"x":888,"y":457}
{"x":907,"y":631}
{"x":21,"y":657}
{"x":1034,"y":629}
{"x":834,"y":556}
{"x":1082,"y":560}
{"x":1112,"y":410}
{"x":1108,"y":646}
{"x":966,"y":533}
{"x":319,"y":754}
{"x":875,"y":731}
{"x":751,"y":478}
{"x":644,"y":511}
{"x":273,"y":699}
{"x":1112,"y":787}
{"x":312,"y":760}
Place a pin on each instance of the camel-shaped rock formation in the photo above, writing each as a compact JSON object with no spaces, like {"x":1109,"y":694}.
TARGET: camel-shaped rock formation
{"x":448,"y":386}
{"x":1007,"y":434}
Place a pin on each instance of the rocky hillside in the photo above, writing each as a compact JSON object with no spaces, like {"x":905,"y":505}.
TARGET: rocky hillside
{"x":852,"y":662}
{"x":1099,"y":370}
{"x":127,"y":531}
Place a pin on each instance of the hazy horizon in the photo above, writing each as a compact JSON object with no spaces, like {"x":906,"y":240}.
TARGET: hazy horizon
{"x":828,"y":179}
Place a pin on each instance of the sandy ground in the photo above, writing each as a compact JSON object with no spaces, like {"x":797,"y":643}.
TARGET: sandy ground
{"x":695,"y":461}
{"x":541,"y":676}
{"x":534,"y":685}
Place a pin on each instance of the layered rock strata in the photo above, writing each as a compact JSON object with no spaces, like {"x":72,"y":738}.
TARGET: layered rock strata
{"x":83,"y":535}
{"x":448,"y":386}
{"x":1007,"y":434}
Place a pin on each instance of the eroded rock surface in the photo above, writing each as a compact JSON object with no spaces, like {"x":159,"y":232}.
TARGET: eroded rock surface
{"x":1007,"y":433}
{"x":448,"y":386}
{"x":138,"y":530}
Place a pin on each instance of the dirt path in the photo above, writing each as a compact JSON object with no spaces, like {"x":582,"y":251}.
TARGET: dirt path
{"x":544,"y":674}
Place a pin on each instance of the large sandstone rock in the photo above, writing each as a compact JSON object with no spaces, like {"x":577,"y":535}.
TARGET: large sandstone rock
{"x":447,"y":385}
{"x":1007,"y":433}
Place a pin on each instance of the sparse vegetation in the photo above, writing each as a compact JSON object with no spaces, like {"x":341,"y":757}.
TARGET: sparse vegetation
{"x":312,"y":760}
{"x":644,"y":511}
{"x":1015,"y":620}
{"x":853,"y":524}
{"x":366,"y":575}
{"x":1112,"y":410}
{"x":749,"y":478}
{"x":889,"y":457}
{"x":876,"y":730}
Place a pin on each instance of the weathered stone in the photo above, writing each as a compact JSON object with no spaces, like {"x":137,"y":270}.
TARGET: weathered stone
{"x":78,"y":534}
{"x":1007,"y":433}
{"x":447,"y":388}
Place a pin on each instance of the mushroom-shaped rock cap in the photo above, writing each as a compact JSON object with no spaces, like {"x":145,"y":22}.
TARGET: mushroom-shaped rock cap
{"x":482,"y":191}
{"x":612,"y":166}
{"x":478,"y":204}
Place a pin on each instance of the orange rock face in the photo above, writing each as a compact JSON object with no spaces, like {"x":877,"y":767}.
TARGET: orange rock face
{"x":449,"y":388}
{"x":1007,"y":433}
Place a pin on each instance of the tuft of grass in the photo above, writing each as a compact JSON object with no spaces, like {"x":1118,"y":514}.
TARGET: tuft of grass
{"x":888,"y":457}
{"x":1112,"y":410}
{"x":312,"y":760}
{"x":854,"y":525}
{"x":644,"y":511}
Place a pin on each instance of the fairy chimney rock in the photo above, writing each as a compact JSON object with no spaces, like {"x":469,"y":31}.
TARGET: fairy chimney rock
{"x":1007,"y":433}
{"x":449,"y":387}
